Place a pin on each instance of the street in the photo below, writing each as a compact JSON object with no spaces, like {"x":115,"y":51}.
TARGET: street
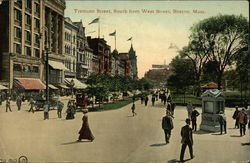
{"x":119,"y":137}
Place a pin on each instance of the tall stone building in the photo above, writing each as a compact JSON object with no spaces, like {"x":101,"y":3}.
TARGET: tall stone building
{"x":84,"y":53}
{"x":26,"y":27}
{"x":70,"y":48}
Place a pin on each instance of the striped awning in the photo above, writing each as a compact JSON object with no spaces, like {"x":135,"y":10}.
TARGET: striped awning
{"x":3,"y":87}
{"x":52,"y":86}
{"x":28,"y":84}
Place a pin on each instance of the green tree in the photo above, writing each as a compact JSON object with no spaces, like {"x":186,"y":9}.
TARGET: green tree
{"x":224,"y":36}
{"x":183,"y":74}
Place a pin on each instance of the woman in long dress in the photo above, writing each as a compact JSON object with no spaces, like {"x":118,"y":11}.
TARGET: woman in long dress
{"x":85,"y":132}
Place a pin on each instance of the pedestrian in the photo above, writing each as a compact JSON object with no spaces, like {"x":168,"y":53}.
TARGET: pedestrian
{"x":235,"y":116}
{"x":70,"y":111}
{"x":173,"y":105}
{"x":133,"y":98}
{"x":133,"y":109}
{"x":222,"y":122}
{"x":60,"y":106}
{"x":169,"y":107}
{"x":242,"y":121}
{"x":1,"y":98}
{"x":167,"y":126}
{"x":32,"y":102}
{"x":19,"y":102}
{"x":146,"y":100}
{"x":85,"y":132}
{"x":46,"y":110}
{"x":153,"y":100}
{"x":189,"y":109}
{"x":187,"y":140}
{"x":8,"y":104}
{"x":142,"y":99}
{"x":164,"y":97}
{"x":194,"y":116}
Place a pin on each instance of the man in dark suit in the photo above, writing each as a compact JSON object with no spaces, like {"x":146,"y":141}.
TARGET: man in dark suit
{"x":187,"y":139}
{"x":194,"y":116}
{"x":167,"y":126}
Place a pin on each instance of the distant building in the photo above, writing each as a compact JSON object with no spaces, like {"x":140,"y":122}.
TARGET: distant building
{"x":133,"y":61}
{"x":125,"y":64}
{"x":159,"y":74}
{"x":101,"y":55}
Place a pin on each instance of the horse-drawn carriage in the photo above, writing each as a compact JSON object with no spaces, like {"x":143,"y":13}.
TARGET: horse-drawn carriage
{"x":40,"y":101}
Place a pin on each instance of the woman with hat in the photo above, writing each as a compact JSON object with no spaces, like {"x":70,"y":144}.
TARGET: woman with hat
{"x":85,"y":132}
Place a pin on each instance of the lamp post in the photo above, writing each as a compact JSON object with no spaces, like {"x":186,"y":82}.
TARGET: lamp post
{"x":46,"y":51}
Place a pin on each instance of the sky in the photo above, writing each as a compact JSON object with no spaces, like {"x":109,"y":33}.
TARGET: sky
{"x":153,"y":32}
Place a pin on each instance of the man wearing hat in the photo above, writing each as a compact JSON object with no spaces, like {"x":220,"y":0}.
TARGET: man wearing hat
{"x":187,"y":139}
{"x":242,"y":121}
{"x":223,"y":122}
{"x":167,"y":125}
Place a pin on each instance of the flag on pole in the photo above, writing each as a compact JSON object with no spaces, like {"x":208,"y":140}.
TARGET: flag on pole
{"x":96,"y":20}
{"x":129,"y":39}
{"x":112,"y":34}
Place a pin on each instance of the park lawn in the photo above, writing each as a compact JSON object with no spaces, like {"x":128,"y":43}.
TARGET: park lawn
{"x":114,"y":105}
{"x":232,"y":99}
{"x":179,"y":99}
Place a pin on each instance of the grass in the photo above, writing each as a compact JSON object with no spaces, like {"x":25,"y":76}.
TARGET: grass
{"x":179,"y":99}
{"x":232,"y":99}
{"x":112,"y":106}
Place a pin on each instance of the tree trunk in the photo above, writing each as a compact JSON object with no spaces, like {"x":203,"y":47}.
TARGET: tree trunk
{"x":219,"y":80}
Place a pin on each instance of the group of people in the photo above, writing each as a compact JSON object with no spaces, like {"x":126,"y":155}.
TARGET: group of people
{"x":186,"y":134}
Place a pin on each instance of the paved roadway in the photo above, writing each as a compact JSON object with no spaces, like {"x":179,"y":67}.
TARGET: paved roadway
{"x":119,"y":137}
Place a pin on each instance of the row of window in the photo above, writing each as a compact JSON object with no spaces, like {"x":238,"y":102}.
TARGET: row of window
{"x":28,"y":18}
{"x":68,"y":50}
{"x":18,"y":34}
{"x":68,"y":37}
{"x":25,"y":68}
{"x":68,"y":64}
{"x":27,"y":50}
{"x":28,"y":5}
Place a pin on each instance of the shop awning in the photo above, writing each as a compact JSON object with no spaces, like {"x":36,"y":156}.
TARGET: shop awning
{"x":28,"y":84}
{"x":77,"y":83}
{"x":63,"y":86}
{"x":57,"y":65}
{"x":3,"y":87}
{"x":52,"y":87}
{"x":84,"y":66}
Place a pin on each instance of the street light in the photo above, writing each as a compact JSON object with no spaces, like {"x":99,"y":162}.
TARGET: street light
{"x":46,"y":60}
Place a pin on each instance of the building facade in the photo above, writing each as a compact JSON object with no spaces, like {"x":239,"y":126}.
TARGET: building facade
{"x":101,"y":55}
{"x":70,"y":48}
{"x":27,"y":28}
{"x":159,"y":74}
{"x":133,"y":61}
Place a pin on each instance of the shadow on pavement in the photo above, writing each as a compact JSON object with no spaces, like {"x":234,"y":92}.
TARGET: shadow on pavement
{"x":217,"y":134}
{"x":74,"y":142}
{"x":243,"y":144}
{"x":158,"y":145}
{"x":232,"y":128}
{"x":130,"y":116}
{"x":200,"y":132}
{"x":235,"y":136}
{"x":174,"y":160}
